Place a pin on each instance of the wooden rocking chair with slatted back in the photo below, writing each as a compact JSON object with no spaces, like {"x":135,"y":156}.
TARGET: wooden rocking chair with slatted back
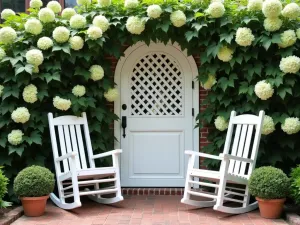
{"x":230,"y":183}
{"x":73,"y":171}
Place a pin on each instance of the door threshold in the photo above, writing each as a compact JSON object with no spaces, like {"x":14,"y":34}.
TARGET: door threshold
{"x":152,"y":191}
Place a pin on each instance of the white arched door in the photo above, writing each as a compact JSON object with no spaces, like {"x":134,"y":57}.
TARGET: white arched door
{"x":157,"y":103}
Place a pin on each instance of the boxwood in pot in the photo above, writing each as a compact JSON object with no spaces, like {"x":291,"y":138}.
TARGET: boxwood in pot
{"x":270,"y":186}
{"x":33,"y":186}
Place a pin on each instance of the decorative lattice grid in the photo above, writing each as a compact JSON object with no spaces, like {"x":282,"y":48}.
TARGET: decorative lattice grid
{"x":156,"y":86}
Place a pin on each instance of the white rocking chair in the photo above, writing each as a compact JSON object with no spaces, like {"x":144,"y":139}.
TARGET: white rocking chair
{"x":230,"y":183}
{"x":73,"y":171}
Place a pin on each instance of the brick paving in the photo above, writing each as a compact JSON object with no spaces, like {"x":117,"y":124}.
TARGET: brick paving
{"x":143,"y":210}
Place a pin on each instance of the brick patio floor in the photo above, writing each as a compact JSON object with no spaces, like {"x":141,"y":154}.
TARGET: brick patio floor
{"x":143,"y":210}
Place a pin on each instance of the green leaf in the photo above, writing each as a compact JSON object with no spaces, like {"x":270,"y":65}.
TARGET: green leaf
{"x":243,"y":88}
{"x":190,"y":34}
{"x":35,"y":137}
{"x":16,"y":149}
{"x":79,"y":71}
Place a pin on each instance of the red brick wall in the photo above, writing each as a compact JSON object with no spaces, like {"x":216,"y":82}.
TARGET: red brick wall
{"x":202,"y":95}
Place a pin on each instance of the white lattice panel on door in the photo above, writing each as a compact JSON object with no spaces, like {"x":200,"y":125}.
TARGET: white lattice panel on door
{"x":157,"y":86}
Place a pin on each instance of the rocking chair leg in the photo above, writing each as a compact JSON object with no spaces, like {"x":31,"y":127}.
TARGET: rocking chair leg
{"x":62,"y":204}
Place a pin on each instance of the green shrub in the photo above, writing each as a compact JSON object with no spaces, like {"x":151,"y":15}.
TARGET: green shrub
{"x":269,"y":183}
{"x":3,"y":187}
{"x":295,"y":184}
{"x":34,"y":181}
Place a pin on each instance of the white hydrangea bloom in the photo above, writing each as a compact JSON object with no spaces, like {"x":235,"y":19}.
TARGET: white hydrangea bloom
{"x":263,"y":90}
{"x":77,"y":21}
{"x":61,"y":34}
{"x":94,"y":33}
{"x":129,"y":4}
{"x":84,"y":2}
{"x":34,"y":57}
{"x":298,"y":33}
{"x":30,"y":93}
{"x":78,"y":90}
{"x":135,"y":25}
{"x":288,"y":38}
{"x":210,"y":82}
{"x":2,"y":53}
{"x":291,"y":125}
{"x":15,"y":137}
{"x":244,"y":36}
{"x":291,"y":11}
{"x":101,"y":22}
{"x":154,"y":11}
{"x":104,"y":3}
{"x":220,"y":123}
{"x":255,"y":5}
{"x":36,"y":4}
{"x":225,"y":54}
{"x":272,"y":24}
{"x":20,"y":115}
{"x":178,"y":18}
{"x":76,"y":43}
{"x":111,"y":95}
{"x":97,"y":72}
{"x":272,"y":8}
{"x":290,"y":64}
{"x":216,"y":9}
{"x":61,"y":103}
{"x":7,"y":35}
{"x":7,"y":13}
{"x":67,"y":13}
{"x":54,"y":6}
{"x":268,"y":125}
{"x":45,"y":43}
{"x":1,"y":89}
{"x":46,"y":15}
{"x":33,"y":26}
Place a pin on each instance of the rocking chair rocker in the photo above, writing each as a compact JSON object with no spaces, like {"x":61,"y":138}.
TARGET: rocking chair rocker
{"x":73,"y":171}
{"x":230,"y":183}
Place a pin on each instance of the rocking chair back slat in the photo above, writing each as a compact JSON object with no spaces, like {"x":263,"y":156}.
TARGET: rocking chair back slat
{"x":68,"y":143}
{"x":74,"y":145}
{"x":62,"y":144}
{"x":240,"y":150}
{"x":247,"y":147}
{"x":234,"y":147}
{"x":81,"y":147}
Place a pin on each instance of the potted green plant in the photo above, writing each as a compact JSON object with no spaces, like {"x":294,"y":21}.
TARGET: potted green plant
{"x":33,"y":186}
{"x":270,"y":187}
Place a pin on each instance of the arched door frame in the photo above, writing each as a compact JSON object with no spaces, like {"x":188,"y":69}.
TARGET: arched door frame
{"x":117,"y":104}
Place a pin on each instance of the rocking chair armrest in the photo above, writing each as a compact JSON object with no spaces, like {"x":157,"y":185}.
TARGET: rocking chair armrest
{"x":190,"y":152}
{"x":68,"y":155}
{"x":110,"y":153}
{"x":227,"y":156}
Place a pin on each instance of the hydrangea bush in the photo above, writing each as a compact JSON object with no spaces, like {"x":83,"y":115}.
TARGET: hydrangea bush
{"x":60,"y":63}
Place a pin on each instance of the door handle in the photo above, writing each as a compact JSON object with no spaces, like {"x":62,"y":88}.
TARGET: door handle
{"x":124,"y":125}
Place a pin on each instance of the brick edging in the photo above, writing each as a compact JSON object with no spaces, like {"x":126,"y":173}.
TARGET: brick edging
{"x":152,"y":191}
{"x":12,"y":216}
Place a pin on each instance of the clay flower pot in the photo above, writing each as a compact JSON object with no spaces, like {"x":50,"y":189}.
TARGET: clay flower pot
{"x":270,"y":208}
{"x":34,"y":206}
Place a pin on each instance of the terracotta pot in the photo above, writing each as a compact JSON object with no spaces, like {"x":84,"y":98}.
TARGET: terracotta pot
{"x":270,"y":208}
{"x":34,"y":206}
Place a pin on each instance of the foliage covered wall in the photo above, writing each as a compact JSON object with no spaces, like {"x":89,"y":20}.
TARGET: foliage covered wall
{"x":54,"y":62}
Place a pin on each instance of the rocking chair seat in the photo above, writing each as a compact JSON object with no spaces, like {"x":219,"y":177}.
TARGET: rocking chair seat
{"x":216,"y":175}
{"x":88,"y":173}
